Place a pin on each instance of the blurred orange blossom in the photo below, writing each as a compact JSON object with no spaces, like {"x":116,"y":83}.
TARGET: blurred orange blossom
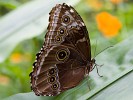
{"x":16,"y":57}
{"x":95,"y":4}
{"x":116,"y":1}
{"x":108,"y":24}
{"x":4,"y":80}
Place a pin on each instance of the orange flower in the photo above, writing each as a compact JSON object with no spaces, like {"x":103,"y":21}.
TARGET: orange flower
{"x":96,"y":4}
{"x":16,"y":58}
{"x":4,"y":80}
{"x":116,"y":1}
{"x":109,"y":25}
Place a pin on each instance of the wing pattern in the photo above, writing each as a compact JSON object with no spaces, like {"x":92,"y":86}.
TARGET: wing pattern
{"x":62,"y":61}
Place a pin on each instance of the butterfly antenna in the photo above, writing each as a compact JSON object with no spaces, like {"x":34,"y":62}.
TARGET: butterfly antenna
{"x":103,"y":50}
{"x":95,"y":49}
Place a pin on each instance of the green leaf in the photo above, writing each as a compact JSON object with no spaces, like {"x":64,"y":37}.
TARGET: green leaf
{"x":114,"y":89}
{"x":116,"y":83}
{"x":28,"y":96}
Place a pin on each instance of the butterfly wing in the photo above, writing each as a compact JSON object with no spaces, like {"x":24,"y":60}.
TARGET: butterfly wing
{"x":61,"y":63}
{"x":57,"y":70}
{"x":67,"y":27}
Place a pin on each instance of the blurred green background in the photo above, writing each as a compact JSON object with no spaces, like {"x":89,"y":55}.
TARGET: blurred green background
{"x":109,"y":22}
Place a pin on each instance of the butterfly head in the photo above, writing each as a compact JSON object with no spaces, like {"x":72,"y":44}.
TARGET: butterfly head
{"x":93,"y":61}
{"x":92,"y":65}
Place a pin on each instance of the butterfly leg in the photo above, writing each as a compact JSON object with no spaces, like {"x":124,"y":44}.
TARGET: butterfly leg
{"x":87,"y":80}
{"x":96,"y":65}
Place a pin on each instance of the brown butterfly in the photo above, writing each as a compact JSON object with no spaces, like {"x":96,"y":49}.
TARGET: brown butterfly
{"x":65,"y":57}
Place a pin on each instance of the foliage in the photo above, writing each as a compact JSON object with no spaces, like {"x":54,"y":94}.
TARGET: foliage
{"x":14,"y":71}
{"x":8,"y":5}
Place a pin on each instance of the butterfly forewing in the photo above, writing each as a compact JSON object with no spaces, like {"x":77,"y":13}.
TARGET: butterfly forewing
{"x":62,"y":62}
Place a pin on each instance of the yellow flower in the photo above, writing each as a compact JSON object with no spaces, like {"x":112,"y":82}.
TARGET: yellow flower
{"x":109,"y":25}
{"x":116,"y":1}
{"x":16,"y":58}
{"x":95,"y":4}
{"x":4,"y":80}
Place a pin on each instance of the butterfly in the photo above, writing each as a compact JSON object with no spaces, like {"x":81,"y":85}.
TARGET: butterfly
{"x":65,"y":57}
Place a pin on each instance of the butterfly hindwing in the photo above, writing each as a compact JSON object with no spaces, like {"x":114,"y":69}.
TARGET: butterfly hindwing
{"x":59,"y":69}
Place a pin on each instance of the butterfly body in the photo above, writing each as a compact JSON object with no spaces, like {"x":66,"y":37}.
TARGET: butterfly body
{"x":65,"y":57}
